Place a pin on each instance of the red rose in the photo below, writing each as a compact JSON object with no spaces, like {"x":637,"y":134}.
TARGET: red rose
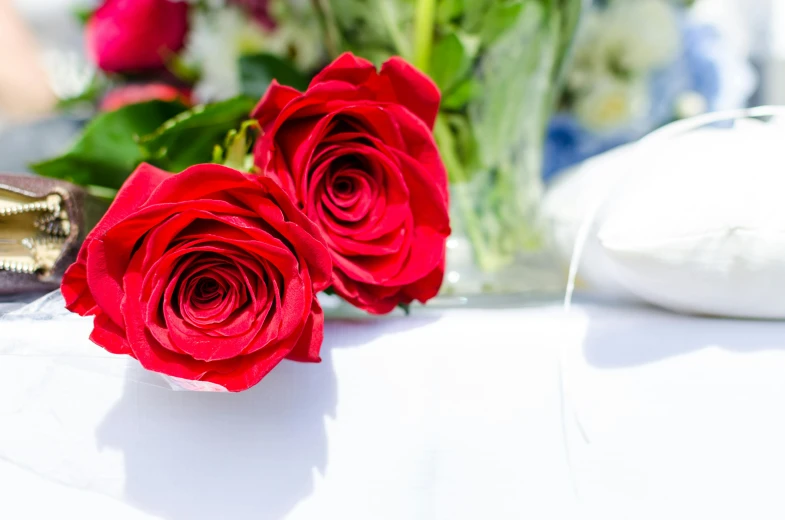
{"x":128,"y":35}
{"x":203,"y":276}
{"x":356,"y":152}
{"x":130,"y":94}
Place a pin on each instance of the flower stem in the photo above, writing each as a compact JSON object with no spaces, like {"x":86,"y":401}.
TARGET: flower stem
{"x":424,"y":20}
{"x":387,"y":10}
{"x":332,"y":37}
{"x":463,"y":200}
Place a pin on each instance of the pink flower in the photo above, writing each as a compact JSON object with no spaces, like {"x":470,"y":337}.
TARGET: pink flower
{"x":139,"y":93}
{"x":129,"y":35}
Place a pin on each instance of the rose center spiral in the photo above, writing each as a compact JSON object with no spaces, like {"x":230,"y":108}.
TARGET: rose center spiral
{"x":344,"y":186}
{"x":207,"y":290}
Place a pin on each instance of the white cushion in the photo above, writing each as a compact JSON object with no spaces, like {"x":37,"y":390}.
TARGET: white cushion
{"x":700,"y":226}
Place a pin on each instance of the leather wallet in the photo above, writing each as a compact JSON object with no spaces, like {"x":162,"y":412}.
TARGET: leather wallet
{"x":42,"y":225}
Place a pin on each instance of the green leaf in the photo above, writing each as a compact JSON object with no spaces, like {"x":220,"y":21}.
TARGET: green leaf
{"x":257,"y":71}
{"x":406,"y":307}
{"x":465,"y":142}
{"x":450,"y":10}
{"x":461,"y":95}
{"x":83,"y":13}
{"x":190,"y":138}
{"x":452,"y":59}
{"x":106,"y":152}
{"x":501,"y":17}
{"x":570,"y":17}
{"x":237,"y":151}
{"x":475,"y":12}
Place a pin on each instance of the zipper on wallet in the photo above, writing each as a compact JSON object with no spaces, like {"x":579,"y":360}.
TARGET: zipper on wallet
{"x":33,"y":232}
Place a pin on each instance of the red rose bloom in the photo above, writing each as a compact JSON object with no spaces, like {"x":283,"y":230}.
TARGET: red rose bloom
{"x":130,"y":94}
{"x":203,"y":276}
{"x":129,"y":35}
{"x":356,"y":152}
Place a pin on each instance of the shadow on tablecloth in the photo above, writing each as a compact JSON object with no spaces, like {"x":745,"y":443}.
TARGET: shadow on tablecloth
{"x":193,"y":456}
{"x":620,"y":337}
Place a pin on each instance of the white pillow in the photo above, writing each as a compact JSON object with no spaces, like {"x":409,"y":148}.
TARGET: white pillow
{"x":700,"y":225}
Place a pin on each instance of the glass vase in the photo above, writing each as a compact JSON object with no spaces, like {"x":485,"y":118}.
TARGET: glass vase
{"x":493,"y":150}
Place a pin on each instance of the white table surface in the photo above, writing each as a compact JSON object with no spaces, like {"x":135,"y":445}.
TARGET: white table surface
{"x":454,"y":414}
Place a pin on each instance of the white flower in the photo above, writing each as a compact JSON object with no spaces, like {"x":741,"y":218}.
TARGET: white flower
{"x":219,"y":36}
{"x":299,"y":42}
{"x":610,"y":104}
{"x":216,"y":41}
{"x":645,"y":33}
{"x":298,"y":34}
{"x":630,"y":37}
{"x":690,"y":104}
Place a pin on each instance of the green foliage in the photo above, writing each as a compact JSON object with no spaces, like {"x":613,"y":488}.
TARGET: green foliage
{"x":383,"y":25}
{"x":107,"y":152}
{"x":458,"y":97}
{"x":465,"y":141}
{"x":452,"y":59}
{"x":568,"y":13}
{"x":83,"y":13}
{"x":500,"y":18}
{"x":236,"y":151}
{"x":190,"y":137}
{"x":257,"y":71}
{"x":475,"y":12}
{"x":449,"y":11}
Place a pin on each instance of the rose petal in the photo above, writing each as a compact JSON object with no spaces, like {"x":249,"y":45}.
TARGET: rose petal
{"x":346,"y":67}
{"x":413,"y":89}
{"x":109,"y":335}
{"x":309,"y":345}
{"x":75,"y":289}
{"x":273,"y":101}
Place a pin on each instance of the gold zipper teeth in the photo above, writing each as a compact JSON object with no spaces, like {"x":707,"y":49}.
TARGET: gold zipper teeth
{"x":53,"y":227}
{"x":18,"y":267}
{"x":32,"y":207}
{"x":42,"y":241}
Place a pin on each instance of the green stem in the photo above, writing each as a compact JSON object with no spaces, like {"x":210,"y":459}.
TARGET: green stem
{"x":332,"y":37}
{"x":101,"y":192}
{"x":424,"y":21}
{"x":389,"y":16}
{"x":237,"y":147}
{"x":462,"y":198}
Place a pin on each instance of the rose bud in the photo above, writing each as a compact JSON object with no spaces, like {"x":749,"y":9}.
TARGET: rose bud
{"x":139,"y":93}
{"x":133,"y":35}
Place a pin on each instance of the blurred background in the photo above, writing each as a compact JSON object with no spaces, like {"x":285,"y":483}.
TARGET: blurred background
{"x":715,"y":55}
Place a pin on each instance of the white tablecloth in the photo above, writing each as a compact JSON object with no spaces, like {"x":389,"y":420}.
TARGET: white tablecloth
{"x":529,"y":413}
